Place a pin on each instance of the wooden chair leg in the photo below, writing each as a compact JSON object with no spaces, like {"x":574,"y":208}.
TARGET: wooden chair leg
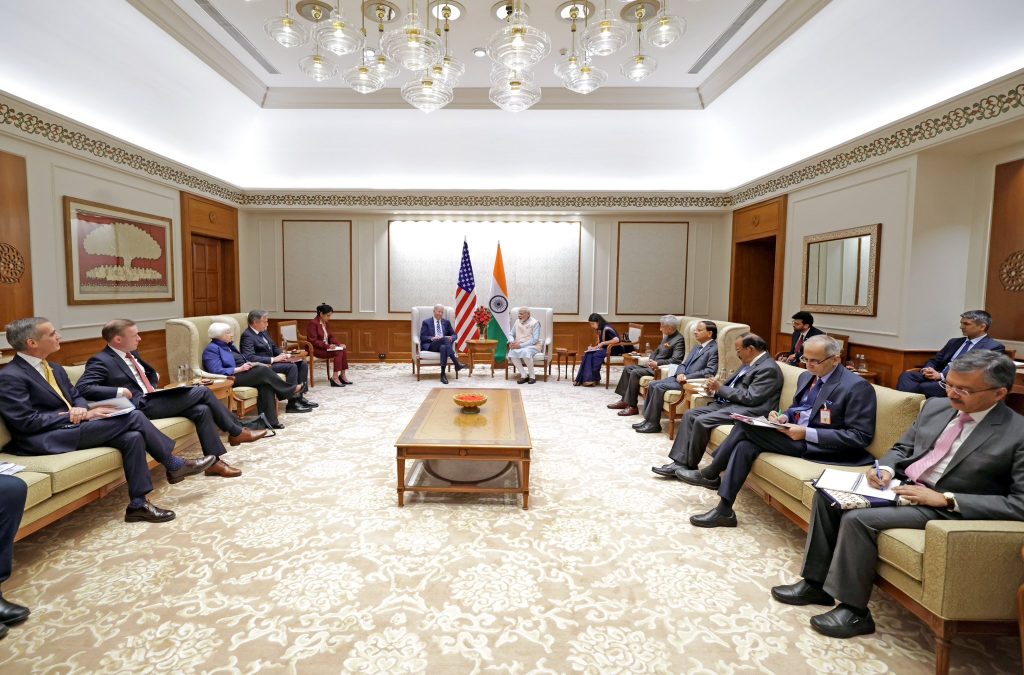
{"x":312,"y":381}
{"x":672,"y":423}
{"x":944,"y":632}
{"x":1020,"y":616}
{"x":607,"y":374}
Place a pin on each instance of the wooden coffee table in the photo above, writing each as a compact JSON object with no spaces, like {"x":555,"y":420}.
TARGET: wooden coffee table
{"x":439,"y":430}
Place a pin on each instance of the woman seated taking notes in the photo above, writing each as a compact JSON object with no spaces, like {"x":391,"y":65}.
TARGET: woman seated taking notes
{"x":318,"y":333}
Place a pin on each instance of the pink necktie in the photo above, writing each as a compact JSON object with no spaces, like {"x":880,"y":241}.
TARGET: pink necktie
{"x":141,"y":374}
{"x":941,"y":449}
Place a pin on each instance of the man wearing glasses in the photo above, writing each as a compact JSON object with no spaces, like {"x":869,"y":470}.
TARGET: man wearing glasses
{"x":832,"y":419}
{"x":962,"y":459}
{"x":975,"y":326}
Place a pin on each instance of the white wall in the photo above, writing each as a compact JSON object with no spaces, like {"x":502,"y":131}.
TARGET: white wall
{"x":51,"y":176}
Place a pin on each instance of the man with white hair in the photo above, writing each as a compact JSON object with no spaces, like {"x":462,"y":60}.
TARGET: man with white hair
{"x":671,"y":350}
{"x":523,"y":344}
{"x":438,"y":335}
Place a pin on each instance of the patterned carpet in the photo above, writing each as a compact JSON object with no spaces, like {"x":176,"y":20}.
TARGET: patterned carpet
{"x":305,"y":564}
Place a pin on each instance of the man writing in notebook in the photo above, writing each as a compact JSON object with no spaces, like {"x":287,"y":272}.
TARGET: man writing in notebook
{"x":965,"y":457}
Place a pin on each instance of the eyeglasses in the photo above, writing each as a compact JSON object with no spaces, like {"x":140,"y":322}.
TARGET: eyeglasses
{"x":960,"y":391}
{"x":814,"y":362}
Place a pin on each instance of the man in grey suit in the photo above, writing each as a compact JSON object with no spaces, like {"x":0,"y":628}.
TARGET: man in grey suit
{"x":702,"y":363}
{"x":670,"y":351}
{"x":965,"y":458}
{"x":753,"y":390}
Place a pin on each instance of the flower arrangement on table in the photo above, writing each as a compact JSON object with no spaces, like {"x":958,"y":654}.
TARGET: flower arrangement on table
{"x":482,"y":317}
{"x":470,"y":403}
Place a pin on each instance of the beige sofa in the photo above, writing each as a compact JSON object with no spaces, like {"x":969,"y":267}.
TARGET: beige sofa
{"x":60,"y":484}
{"x":956,"y":576}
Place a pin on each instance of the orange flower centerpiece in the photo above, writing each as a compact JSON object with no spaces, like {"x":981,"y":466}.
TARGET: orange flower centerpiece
{"x":470,"y":403}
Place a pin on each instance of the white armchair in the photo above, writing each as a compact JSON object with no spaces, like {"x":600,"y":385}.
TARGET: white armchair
{"x":545,"y":317}
{"x":423,"y":357}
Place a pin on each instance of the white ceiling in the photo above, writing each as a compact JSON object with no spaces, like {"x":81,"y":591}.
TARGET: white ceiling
{"x":855,"y":66}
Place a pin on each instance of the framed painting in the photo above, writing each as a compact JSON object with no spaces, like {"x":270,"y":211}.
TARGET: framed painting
{"x":116,"y":255}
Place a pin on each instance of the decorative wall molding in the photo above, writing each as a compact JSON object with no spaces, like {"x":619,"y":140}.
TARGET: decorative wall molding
{"x":446,"y":200}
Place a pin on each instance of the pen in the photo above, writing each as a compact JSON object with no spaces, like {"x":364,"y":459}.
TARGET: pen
{"x":878,"y":472}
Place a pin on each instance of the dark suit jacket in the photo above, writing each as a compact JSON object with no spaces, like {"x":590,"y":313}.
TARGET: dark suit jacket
{"x":427,"y":331}
{"x":258,"y":347}
{"x":672,"y":349}
{"x":106,"y":372}
{"x":32,"y":410}
{"x":706,"y":363}
{"x":852,"y":406}
{"x":987,"y":472}
{"x":222,"y":357}
{"x":812,"y":331}
{"x":945,"y":355}
{"x":757,"y":391}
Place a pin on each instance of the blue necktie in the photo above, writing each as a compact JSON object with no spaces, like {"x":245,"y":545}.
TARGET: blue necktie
{"x":735,"y":378}
{"x":693,"y":355}
{"x":806,"y":401}
{"x":964,"y":348}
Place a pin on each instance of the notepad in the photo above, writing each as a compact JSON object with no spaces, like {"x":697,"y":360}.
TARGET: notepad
{"x":757,"y":421}
{"x":855,"y":482}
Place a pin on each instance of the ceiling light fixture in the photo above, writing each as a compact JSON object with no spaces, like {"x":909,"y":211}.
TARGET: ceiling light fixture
{"x":607,"y":35}
{"x":316,"y":66}
{"x":666,"y":28}
{"x":412,"y":45}
{"x":337,"y":36}
{"x":284,"y":30}
{"x":569,"y":64}
{"x":517,"y":45}
{"x":364,"y":77}
{"x":640,"y":66}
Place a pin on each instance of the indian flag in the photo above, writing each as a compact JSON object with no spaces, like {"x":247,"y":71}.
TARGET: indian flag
{"x":497,"y":329}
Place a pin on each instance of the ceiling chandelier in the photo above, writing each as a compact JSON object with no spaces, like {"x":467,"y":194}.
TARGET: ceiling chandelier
{"x":515,"y":49}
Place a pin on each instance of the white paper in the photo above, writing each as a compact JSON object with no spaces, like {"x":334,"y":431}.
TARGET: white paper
{"x":9,"y":469}
{"x":855,"y":482}
{"x":122,"y":404}
{"x":335,"y":348}
{"x":758,"y":422}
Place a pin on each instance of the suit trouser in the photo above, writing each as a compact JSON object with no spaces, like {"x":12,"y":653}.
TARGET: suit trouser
{"x":655,"y":401}
{"x":629,"y":383}
{"x":13,"y":492}
{"x":916,"y":383}
{"x":694,"y":433}
{"x":295,"y":372}
{"x":737,"y":454}
{"x":447,"y":351}
{"x":842,"y":546}
{"x":269,"y":386}
{"x":202,"y":407}
{"x":134,"y":436}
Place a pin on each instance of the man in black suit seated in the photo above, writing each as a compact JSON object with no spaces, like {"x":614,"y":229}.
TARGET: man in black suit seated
{"x":13,"y":493}
{"x":753,"y":390}
{"x":119,"y":371}
{"x":701,"y":363}
{"x":965,"y":457}
{"x":257,"y":346}
{"x":46,"y":415}
{"x":438,"y":335}
{"x":832,"y":419}
{"x":975,"y":326}
{"x":671,"y":350}
{"x":803,"y":328}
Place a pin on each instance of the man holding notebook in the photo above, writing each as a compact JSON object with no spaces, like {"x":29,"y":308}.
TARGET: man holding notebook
{"x":962,"y":459}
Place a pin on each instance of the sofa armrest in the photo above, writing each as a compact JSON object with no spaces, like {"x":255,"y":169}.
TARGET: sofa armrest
{"x":972,"y":569}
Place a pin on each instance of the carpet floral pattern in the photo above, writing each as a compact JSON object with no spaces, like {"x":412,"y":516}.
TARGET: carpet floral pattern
{"x":306,"y":564}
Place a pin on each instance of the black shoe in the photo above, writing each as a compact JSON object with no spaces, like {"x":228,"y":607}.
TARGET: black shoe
{"x":295,"y":407}
{"x":668,"y":470}
{"x":459,"y":366}
{"x":336,"y":384}
{"x":11,"y":613}
{"x":150,"y":513}
{"x":695,"y":477}
{"x":306,"y":402}
{"x":802,"y":593}
{"x":716,"y":517}
{"x":276,"y":425}
{"x":189,"y":467}
{"x":843,"y":622}
{"x":3,"y":631}
{"x":648,"y":428}
{"x":532,"y":380}
{"x":444,"y":379}
{"x":640,"y":424}
{"x":521,"y":380}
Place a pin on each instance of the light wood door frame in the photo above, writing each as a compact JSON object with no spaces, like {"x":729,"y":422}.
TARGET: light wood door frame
{"x":748,"y":226}
{"x":16,"y":272}
{"x":205,"y":217}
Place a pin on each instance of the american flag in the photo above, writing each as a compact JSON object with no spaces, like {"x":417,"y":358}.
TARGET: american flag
{"x":465,"y":302}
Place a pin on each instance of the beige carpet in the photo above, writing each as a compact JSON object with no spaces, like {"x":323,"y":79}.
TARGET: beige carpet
{"x":305,"y":564}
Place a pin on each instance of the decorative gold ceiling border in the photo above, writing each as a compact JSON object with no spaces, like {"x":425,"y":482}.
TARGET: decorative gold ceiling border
{"x":570,"y":201}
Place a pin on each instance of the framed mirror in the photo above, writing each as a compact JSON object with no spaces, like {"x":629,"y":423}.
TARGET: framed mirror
{"x":840,"y":273}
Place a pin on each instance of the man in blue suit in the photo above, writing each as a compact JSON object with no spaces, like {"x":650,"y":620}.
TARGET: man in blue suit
{"x":438,"y":335}
{"x":257,"y":346}
{"x":46,"y":415}
{"x":119,"y":371}
{"x":975,"y":326}
{"x":832,"y":419}
{"x":13,"y":493}
{"x":701,"y":363}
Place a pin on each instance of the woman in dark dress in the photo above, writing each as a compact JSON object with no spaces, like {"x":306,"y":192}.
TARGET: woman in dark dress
{"x":589,"y":373}
{"x":318,"y":333}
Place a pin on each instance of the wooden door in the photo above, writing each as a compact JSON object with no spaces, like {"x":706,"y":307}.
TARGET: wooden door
{"x":754,"y":285}
{"x":207,"y":276}
{"x":15,"y":252}
{"x":1004,"y":293}
{"x":209,"y":243}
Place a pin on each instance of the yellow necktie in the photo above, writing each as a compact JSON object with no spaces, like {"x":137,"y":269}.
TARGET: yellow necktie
{"x":53,"y":383}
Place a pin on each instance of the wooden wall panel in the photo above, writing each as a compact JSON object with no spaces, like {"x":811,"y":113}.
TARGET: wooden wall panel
{"x":888,"y":363}
{"x":15,"y":252}
{"x":153,"y":350}
{"x":1004,"y":290}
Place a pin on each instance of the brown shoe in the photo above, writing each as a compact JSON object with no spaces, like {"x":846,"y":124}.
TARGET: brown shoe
{"x":627,"y":411}
{"x":618,"y":405}
{"x":247,"y":436}
{"x":589,"y":384}
{"x":223,"y":469}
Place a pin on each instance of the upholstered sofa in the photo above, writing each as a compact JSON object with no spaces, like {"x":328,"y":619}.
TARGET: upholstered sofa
{"x":956,"y":576}
{"x":60,"y":484}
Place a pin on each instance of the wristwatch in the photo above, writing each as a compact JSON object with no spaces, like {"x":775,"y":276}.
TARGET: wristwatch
{"x":950,"y":501}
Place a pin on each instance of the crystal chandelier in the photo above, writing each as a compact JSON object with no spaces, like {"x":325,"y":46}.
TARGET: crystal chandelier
{"x":336,"y":36}
{"x":412,"y":45}
{"x":363,"y":78}
{"x":569,"y":65}
{"x":518,"y":45}
{"x":449,"y":69}
{"x":640,"y":65}
{"x":607,"y":35}
{"x":588,"y":78}
{"x":426,"y":94}
{"x":386,"y":69}
{"x":284,"y":30}
{"x":666,"y":28}
{"x":513,"y":91}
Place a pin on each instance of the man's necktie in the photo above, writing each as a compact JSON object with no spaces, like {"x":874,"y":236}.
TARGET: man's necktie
{"x":806,"y":401}
{"x":799,"y":344}
{"x":53,"y":383}
{"x":693,"y":356}
{"x":142,"y":375}
{"x":733,"y":380}
{"x":942,"y":447}
{"x":964,"y":348}
{"x":437,"y":329}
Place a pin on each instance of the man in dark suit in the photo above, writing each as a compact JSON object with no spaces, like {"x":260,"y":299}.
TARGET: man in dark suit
{"x":119,"y":371}
{"x":257,"y":346}
{"x":832,"y":419}
{"x":753,"y":390}
{"x":803,"y":328}
{"x":975,"y":326}
{"x":438,"y":335}
{"x":46,"y":415}
{"x":965,"y":457}
{"x":671,"y":351}
{"x":13,"y":493}
{"x":701,"y":363}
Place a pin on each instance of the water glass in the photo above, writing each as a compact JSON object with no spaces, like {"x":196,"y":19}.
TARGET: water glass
{"x":183,"y":373}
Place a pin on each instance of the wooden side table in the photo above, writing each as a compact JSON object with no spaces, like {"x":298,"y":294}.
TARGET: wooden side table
{"x":481,"y":352}
{"x":565,"y":357}
{"x":222,"y":390}
{"x":869,"y":375}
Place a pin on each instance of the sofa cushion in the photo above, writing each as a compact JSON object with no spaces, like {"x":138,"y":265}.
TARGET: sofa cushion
{"x":39,"y":487}
{"x":175,"y":427}
{"x":897,"y":410}
{"x":790,"y":474}
{"x":904,"y":550}
{"x":245,"y":393}
{"x":72,"y":468}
